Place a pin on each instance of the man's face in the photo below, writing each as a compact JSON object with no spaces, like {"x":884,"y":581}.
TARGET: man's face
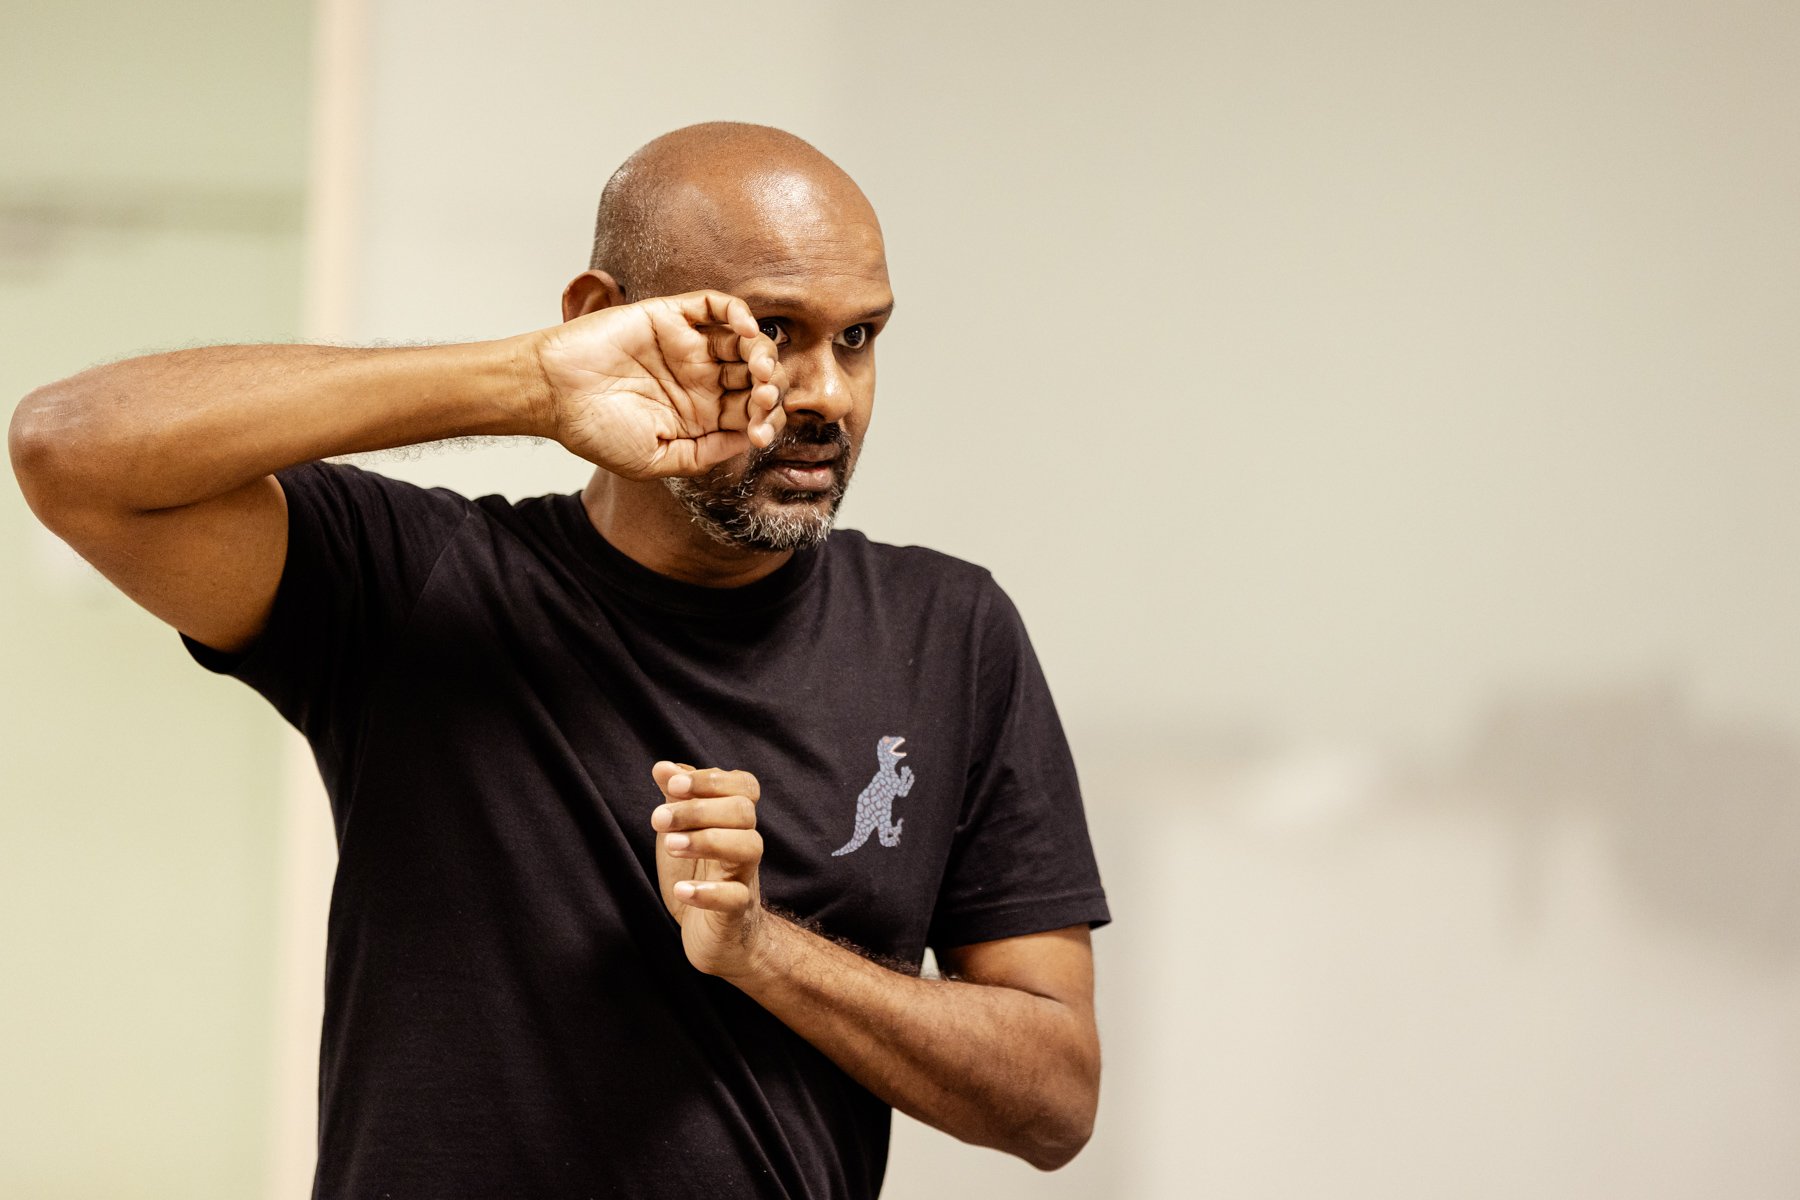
{"x":814,"y":271}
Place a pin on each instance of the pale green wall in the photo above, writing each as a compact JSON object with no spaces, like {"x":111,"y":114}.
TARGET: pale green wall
{"x":152,"y":162}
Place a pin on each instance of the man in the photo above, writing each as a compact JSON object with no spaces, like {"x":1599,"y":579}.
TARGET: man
{"x":648,"y":800}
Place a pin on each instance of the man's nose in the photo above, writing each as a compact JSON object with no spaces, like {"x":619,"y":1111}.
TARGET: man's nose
{"x":817,"y":386}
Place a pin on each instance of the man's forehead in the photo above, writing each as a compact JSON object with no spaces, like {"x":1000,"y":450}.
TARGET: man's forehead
{"x":834,"y":279}
{"x":772,"y":212}
{"x":798,"y":254}
{"x":834,"y":301}
{"x":782,"y":236}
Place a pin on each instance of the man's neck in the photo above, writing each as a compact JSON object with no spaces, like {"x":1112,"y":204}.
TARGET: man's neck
{"x":643,"y":521}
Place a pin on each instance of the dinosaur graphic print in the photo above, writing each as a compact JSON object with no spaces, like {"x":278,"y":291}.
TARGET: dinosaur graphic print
{"x":875,"y":806}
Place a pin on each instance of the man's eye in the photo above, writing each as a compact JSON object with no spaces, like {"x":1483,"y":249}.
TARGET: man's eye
{"x":773,"y":331}
{"x":855,"y":337}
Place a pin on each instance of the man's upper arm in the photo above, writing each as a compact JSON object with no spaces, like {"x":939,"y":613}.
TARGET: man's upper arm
{"x":209,"y":569}
{"x":1057,"y":964}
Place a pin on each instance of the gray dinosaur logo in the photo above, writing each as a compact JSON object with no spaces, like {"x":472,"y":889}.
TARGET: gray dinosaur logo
{"x":875,"y":807}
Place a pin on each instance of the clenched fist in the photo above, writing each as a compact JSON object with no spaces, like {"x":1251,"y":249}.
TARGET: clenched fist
{"x":707,"y":856}
{"x":673,"y":385}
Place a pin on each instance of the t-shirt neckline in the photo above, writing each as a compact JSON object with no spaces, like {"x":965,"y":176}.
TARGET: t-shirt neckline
{"x":614,"y":570}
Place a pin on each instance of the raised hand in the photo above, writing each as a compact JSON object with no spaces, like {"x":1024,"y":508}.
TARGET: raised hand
{"x":673,"y":385}
{"x":707,"y":856}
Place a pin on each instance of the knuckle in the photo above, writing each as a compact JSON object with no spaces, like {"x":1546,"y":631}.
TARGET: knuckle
{"x":746,"y":809}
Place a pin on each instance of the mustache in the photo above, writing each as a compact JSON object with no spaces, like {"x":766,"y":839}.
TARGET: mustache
{"x":826,"y":434}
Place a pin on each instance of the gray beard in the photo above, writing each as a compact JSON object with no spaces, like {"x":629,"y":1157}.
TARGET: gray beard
{"x":730,"y":512}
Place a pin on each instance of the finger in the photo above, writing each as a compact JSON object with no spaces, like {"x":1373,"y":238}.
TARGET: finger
{"x":778,"y":381}
{"x":737,"y":850}
{"x":749,"y":410}
{"x":715,"y":308}
{"x":712,"y":781}
{"x":761,"y":354}
{"x":711,"y":449}
{"x":758,"y":353}
{"x":735,"y":412}
{"x":767,"y":428}
{"x":763,"y":434}
{"x":717,"y":895}
{"x":692,"y":456}
{"x":734,"y":377}
{"x":727,"y":345}
{"x":768,"y":417}
{"x":712,"y":812}
{"x":663,"y":769}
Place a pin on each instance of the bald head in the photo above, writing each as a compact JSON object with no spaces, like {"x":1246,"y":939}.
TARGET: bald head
{"x":712,"y":197}
{"x":760,"y":215}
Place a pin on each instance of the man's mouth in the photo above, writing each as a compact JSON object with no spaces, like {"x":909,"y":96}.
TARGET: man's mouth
{"x":805,"y":466}
{"x":804,"y":477}
{"x":807,"y":452}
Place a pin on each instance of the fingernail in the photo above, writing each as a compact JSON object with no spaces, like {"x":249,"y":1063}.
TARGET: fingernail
{"x":676,"y":841}
{"x":662,"y":817}
{"x":681,"y":784}
{"x":684,"y":889}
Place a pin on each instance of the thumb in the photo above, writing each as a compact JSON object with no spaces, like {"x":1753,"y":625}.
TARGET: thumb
{"x":694,"y":456}
{"x":665,"y":770}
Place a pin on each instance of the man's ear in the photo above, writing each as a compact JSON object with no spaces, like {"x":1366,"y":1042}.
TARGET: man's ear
{"x":589,"y":292}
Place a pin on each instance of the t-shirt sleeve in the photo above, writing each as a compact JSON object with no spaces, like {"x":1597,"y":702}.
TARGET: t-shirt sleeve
{"x":360,"y":549}
{"x":1022,"y":861}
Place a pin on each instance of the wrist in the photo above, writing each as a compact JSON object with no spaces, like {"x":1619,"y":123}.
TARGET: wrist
{"x":768,"y":951}
{"x":534,"y":399}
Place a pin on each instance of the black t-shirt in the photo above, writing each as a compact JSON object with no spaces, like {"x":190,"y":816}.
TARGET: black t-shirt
{"x":485,"y":685}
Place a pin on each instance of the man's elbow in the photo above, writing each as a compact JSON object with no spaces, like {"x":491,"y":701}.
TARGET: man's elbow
{"x":1053,"y":1145}
{"x":1064,"y":1124}
{"x":40,"y":452}
{"x":60,"y":462}
{"x":1059,"y":1131}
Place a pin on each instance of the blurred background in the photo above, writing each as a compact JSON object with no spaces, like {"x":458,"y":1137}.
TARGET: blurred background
{"x":1384,"y":413}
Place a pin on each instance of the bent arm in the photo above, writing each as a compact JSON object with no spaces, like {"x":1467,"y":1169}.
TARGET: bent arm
{"x":159,"y":470}
{"x":169,"y":430}
{"x":1006,"y":1057}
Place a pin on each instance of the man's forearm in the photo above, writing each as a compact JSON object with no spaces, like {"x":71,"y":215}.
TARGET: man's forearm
{"x":179,"y":428}
{"x":994,"y":1066}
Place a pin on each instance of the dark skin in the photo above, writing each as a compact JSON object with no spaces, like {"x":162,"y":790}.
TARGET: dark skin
{"x":159,"y":471}
{"x":808,"y":259}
